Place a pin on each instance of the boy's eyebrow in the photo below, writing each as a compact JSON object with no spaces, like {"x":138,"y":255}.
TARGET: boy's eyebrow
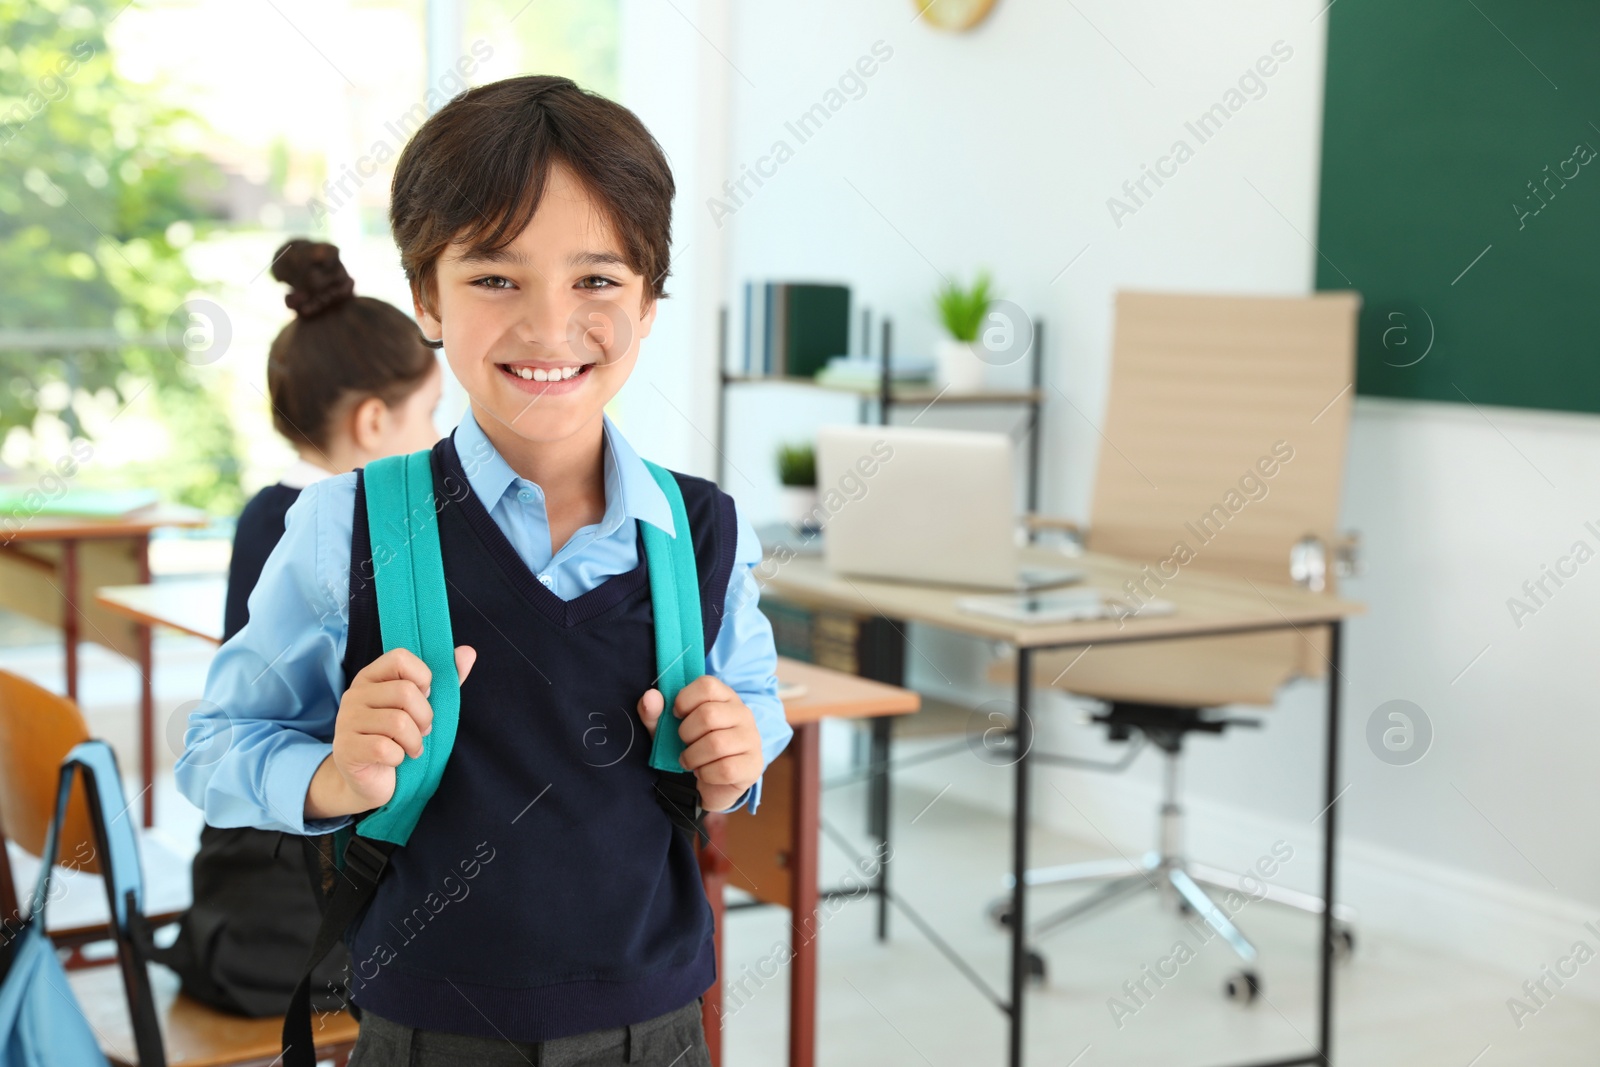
{"x":517,"y":259}
{"x":597,"y":259}
{"x":493,"y":255}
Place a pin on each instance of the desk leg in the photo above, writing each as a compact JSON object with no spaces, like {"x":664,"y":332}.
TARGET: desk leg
{"x":878,"y":814}
{"x":1023,"y":734}
{"x":147,"y":700}
{"x":147,"y":726}
{"x":1330,"y":842}
{"x":714,"y":877}
{"x":69,"y":613}
{"x":803,"y":893}
{"x":882,"y":657}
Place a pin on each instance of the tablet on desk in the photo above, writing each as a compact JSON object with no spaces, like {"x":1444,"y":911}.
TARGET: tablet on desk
{"x":1066,"y":605}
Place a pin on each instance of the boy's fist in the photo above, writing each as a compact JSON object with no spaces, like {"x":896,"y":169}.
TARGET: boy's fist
{"x":721,"y":743}
{"x":382,"y":719}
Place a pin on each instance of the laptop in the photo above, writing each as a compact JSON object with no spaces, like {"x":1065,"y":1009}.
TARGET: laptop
{"x":930,"y":506}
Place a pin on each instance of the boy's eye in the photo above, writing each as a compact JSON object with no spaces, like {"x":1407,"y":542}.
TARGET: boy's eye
{"x":493,"y":281}
{"x":595,"y":281}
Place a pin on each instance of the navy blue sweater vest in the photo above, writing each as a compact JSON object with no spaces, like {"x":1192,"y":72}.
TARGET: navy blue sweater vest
{"x":545,"y":891}
{"x":257,"y":533}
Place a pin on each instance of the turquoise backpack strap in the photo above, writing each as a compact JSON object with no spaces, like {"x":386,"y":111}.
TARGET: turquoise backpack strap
{"x":414,"y":614}
{"x":675,"y":600}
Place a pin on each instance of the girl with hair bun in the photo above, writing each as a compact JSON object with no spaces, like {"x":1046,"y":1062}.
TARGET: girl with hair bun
{"x":351,"y":379}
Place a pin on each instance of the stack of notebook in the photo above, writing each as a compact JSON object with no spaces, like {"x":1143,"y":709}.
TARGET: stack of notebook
{"x":865,"y":372}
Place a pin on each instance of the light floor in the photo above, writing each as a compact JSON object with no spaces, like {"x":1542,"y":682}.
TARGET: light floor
{"x":901,"y":1002}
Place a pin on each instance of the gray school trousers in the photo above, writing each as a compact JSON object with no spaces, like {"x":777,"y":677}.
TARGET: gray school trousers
{"x":675,"y":1039}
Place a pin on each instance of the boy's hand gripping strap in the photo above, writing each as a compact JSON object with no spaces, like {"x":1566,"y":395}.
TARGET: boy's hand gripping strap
{"x":675,"y":600}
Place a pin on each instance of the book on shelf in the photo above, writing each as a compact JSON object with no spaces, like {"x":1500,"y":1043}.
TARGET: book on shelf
{"x":792,"y":329}
{"x":866,"y":647}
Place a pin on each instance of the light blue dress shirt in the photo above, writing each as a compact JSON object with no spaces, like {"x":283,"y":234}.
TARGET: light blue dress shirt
{"x":266,"y":722}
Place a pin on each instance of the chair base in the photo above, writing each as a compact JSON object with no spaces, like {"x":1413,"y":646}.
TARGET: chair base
{"x":1164,"y":870}
{"x":1180,"y":882}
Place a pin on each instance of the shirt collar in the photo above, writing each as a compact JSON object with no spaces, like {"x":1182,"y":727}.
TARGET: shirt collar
{"x":631,"y":490}
{"x":302,"y":473}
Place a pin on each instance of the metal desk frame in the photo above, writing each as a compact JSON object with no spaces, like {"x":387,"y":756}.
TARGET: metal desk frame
{"x":1022,"y":736}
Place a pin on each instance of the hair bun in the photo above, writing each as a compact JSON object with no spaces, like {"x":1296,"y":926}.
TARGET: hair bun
{"x":316,"y":279}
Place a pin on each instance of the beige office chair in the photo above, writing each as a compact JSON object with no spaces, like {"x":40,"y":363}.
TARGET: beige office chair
{"x":1224,"y":432}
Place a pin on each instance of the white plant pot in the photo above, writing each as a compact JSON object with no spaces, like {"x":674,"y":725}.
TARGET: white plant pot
{"x":800,"y":507}
{"x":958,"y":366}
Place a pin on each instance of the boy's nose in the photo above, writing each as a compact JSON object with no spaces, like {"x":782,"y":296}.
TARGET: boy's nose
{"x":541,"y":324}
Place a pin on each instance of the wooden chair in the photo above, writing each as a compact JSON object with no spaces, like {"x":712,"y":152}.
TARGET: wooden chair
{"x":37,"y":730}
{"x":1224,"y":434}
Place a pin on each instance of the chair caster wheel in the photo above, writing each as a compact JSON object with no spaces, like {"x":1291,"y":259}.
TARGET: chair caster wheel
{"x":1000,"y":913}
{"x":1344,"y":941}
{"x":1243,"y":987}
{"x":1036,"y":968}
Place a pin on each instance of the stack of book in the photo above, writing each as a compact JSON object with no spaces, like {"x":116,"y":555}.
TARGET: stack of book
{"x":866,"y":372}
{"x":792,"y":329}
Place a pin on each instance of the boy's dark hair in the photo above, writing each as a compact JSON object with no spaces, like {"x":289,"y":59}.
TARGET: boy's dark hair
{"x":477,"y":169}
{"x":340,"y":347}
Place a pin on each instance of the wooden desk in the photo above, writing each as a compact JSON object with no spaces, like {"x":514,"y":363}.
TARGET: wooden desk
{"x":1207,"y":606}
{"x":192,"y":606}
{"x":48,"y":561}
{"x":773,"y":854}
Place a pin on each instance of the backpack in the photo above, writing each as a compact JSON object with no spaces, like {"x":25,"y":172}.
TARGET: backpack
{"x":256,"y":908}
{"x":414,"y":614}
{"x":41,"y":1022}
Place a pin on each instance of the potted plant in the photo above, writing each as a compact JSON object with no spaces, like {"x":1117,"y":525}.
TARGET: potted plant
{"x":797,"y":473}
{"x":962,"y":311}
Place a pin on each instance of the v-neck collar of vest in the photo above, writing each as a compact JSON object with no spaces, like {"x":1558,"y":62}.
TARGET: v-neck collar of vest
{"x":566,"y":613}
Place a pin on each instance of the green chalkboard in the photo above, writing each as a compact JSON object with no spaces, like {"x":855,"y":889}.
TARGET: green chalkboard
{"x":1460,"y":196}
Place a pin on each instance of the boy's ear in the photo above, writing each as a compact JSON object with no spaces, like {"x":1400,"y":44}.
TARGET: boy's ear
{"x":432,"y":327}
{"x":647,"y":317}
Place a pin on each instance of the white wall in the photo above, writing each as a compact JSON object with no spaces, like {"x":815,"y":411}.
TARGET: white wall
{"x":1000,"y":148}
{"x":673,"y":78}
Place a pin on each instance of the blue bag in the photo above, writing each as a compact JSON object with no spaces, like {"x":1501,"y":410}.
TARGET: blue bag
{"x":41,"y":1023}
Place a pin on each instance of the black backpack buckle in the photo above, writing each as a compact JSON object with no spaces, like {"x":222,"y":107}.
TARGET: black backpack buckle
{"x":366,"y":859}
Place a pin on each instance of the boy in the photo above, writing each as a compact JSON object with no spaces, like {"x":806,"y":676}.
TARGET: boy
{"x":545,"y":910}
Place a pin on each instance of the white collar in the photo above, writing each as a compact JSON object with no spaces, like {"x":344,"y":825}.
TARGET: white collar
{"x":302,"y":473}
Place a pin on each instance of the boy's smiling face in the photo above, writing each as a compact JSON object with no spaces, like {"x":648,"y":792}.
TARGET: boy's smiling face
{"x":543,"y":332}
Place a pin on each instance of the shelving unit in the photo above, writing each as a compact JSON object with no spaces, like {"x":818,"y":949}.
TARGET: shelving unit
{"x":889,"y":395}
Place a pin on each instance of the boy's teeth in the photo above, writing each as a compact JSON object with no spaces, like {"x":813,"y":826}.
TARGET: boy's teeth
{"x":540,"y":374}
